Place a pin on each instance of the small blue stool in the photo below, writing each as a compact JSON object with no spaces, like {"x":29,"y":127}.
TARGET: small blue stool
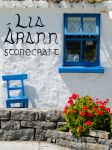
{"x":22,"y":99}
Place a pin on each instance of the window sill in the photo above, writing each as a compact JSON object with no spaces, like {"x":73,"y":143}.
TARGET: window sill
{"x":81,"y":69}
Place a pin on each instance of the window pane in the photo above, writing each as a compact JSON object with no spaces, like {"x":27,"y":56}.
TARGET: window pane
{"x":73,"y":51}
{"x":89,"y":51}
{"x":74,"y":24}
{"x":89,"y":25}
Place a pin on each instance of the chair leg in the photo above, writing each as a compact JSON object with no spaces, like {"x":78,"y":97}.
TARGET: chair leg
{"x":26,"y":104}
{"x":8,"y":104}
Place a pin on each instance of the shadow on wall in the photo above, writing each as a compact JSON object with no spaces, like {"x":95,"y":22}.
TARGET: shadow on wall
{"x":32,"y":95}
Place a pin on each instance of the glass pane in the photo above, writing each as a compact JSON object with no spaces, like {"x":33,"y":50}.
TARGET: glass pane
{"x":89,"y":51}
{"x":74,"y":24}
{"x":89,"y":25}
{"x":73,"y":51}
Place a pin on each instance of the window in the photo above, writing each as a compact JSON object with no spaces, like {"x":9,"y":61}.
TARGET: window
{"x":81,"y":41}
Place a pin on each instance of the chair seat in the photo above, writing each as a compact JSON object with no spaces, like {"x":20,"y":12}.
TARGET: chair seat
{"x":17,"y":98}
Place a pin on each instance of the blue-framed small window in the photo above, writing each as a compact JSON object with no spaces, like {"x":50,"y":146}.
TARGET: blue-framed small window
{"x":81,"y":40}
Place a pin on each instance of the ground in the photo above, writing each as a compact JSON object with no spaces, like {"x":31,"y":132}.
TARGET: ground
{"x":29,"y":146}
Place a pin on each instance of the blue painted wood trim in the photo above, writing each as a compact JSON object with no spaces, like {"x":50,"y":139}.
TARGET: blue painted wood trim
{"x":81,"y":69}
{"x":14,"y":77}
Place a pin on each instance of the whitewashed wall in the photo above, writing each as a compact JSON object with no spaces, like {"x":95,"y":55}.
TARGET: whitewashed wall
{"x":45,"y":87}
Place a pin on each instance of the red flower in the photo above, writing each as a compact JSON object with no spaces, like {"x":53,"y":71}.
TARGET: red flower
{"x":65,"y":109}
{"x":90,"y":114}
{"x":94,"y":108}
{"x":97,"y":99}
{"x":90,"y":99}
{"x":73,"y":111}
{"x":102,"y":106}
{"x":82,"y":113}
{"x":85,"y":108}
{"x":106,"y":101}
{"x":89,"y":123}
{"x":75,"y":96}
{"x":70,"y":101}
{"x":107,"y":110}
{"x":100,"y":112}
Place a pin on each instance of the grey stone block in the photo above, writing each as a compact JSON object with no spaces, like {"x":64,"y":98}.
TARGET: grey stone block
{"x":11,"y":135}
{"x":41,"y":116}
{"x":89,"y":140}
{"x":30,"y":124}
{"x":109,"y":142}
{"x":4,"y":114}
{"x":40,"y":135}
{"x":60,"y":124}
{"x":10,"y":125}
{"x":102,"y":141}
{"x":91,"y":146}
{"x":69,"y":144}
{"x":100,"y":134}
{"x":22,"y":115}
{"x":47,"y":125}
{"x":62,"y":142}
{"x":38,"y":124}
{"x":52,"y":134}
{"x":49,"y":140}
{"x":53,"y":116}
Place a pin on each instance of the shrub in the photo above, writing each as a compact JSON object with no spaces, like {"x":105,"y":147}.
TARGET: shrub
{"x":83,"y":114}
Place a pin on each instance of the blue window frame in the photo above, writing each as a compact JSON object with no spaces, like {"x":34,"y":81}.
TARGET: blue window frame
{"x":81,"y":41}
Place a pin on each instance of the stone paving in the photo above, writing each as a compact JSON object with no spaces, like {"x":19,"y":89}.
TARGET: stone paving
{"x":29,"y":146}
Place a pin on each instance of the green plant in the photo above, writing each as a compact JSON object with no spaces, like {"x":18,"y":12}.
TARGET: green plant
{"x":63,"y":128}
{"x":83,"y":114}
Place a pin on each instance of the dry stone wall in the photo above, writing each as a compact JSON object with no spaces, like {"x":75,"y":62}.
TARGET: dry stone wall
{"x":33,"y":125}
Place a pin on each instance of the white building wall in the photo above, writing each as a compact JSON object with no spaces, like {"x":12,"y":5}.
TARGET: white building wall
{"x":45,"y":87}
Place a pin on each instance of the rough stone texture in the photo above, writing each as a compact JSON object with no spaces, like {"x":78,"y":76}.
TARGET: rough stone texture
{"x":73,"y":145}
{"x":53,"y":115}
{"x":31,"y":124}
{"x":10,"y":125}
{"x":22,"y":115}
{"x":40,"y":116}
{"x":63,"y":135}
{"x":100,"y":134}
{"x":23,"y":135}
{"x":52,"y":134}
{"x":89,"y":140}
{"x":90,"y":146}
{"x":40,"y":134}
{"x":4,"y":114}
{"x":60,"y":124}
{"x":39,"y":124}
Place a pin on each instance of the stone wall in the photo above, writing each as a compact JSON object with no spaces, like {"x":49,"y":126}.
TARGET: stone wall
{"x":27,"y":125}
{"x":33,"y":125}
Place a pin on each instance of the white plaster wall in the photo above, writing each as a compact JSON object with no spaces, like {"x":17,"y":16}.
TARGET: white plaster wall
{"x":45,"y":87}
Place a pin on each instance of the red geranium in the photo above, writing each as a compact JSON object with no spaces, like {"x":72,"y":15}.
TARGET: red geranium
{"x":82,"y":113}
{"x":100,"y":112}
{"x":75,"y":96}
{"x":73,"y":111}
{"x":90,"y":114}
{"x":107,"y":110}
{"x":94,"y":108}
{"x":89,"y":123}
{"x":65,"y":109}
{"x":102,"y":106}
{"x":85,"y":108}
{"x":70,"y":101}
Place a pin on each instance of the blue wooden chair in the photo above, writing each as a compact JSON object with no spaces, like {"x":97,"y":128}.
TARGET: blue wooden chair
{"x":21,"y":98}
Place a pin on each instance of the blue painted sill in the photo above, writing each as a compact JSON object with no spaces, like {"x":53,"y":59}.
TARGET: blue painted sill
{"x":81,"y":69}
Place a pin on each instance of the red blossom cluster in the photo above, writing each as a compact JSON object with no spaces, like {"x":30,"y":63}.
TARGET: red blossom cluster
{"x":88,"y":111}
